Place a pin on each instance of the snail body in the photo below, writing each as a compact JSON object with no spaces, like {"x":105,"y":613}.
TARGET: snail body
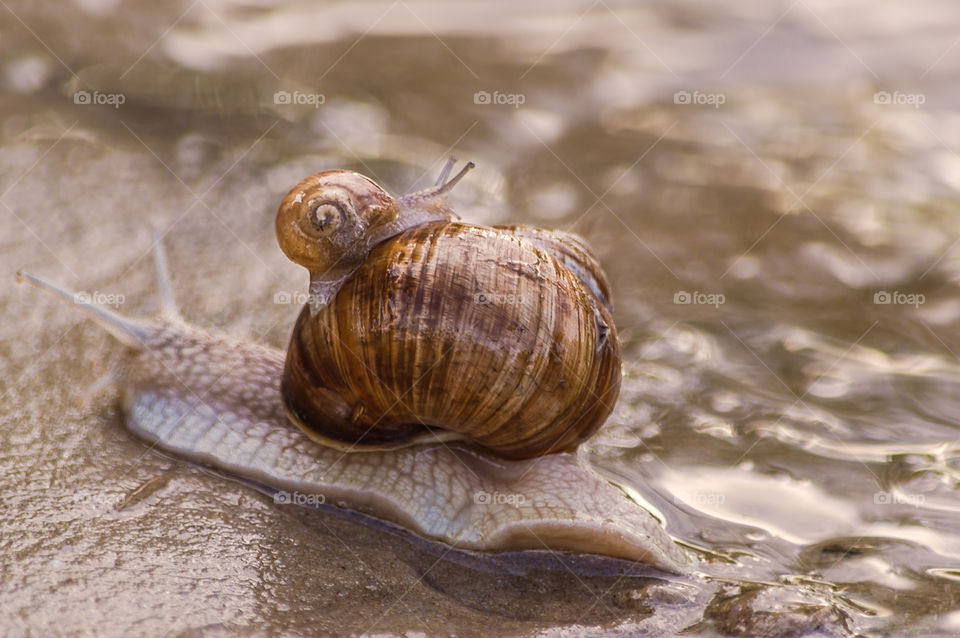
{"x":215,"y":400}
{"x":498,"y":335}
{"x":228,"y":403}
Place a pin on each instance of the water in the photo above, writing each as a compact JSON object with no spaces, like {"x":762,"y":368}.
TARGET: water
{"x":772,"y":188}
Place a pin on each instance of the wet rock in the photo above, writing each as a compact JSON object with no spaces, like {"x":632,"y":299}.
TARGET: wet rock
{"x":776,"y":612}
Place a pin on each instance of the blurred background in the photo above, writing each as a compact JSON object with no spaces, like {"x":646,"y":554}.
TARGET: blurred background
{"x":771,"y":186}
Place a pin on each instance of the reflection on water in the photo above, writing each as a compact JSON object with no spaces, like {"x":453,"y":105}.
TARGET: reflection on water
{"x":772,"y":188}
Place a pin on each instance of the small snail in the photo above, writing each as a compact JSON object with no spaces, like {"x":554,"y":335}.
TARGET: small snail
{"x":499,"y":335}
{"x":216,"y":400}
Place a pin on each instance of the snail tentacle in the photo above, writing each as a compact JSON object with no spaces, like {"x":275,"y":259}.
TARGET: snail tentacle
{"x":446,"y":187}
{"x":168,"y":302}
{"x":445,"y":171}
{"x":436,"y":196}
{"x":131,"y":332}
{"x":138,"y":334}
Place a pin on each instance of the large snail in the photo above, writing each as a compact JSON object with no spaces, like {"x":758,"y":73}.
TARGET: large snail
{"x":376,"y":446}
{"x":500,"y":335}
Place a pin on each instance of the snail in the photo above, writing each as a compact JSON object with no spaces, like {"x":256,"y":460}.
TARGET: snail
{"x":501,"y":335}
{"x":216,"y":400}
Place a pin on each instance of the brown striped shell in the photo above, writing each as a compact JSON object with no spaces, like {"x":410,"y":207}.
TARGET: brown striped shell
{"x":501,"y":335}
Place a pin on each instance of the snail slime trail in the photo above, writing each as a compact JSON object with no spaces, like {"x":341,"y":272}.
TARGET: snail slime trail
{"x":400,"y":438}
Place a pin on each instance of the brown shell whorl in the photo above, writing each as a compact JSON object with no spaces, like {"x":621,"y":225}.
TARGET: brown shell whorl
{"x":475,"y":330}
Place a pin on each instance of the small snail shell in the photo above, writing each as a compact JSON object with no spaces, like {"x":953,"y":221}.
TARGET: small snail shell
{"x":500,"y":335}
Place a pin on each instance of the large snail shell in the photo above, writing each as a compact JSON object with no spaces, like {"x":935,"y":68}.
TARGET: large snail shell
{"x":502,"y":335}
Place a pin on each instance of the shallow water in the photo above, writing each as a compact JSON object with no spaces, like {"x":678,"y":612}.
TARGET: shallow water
{"x":795,"y":422}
